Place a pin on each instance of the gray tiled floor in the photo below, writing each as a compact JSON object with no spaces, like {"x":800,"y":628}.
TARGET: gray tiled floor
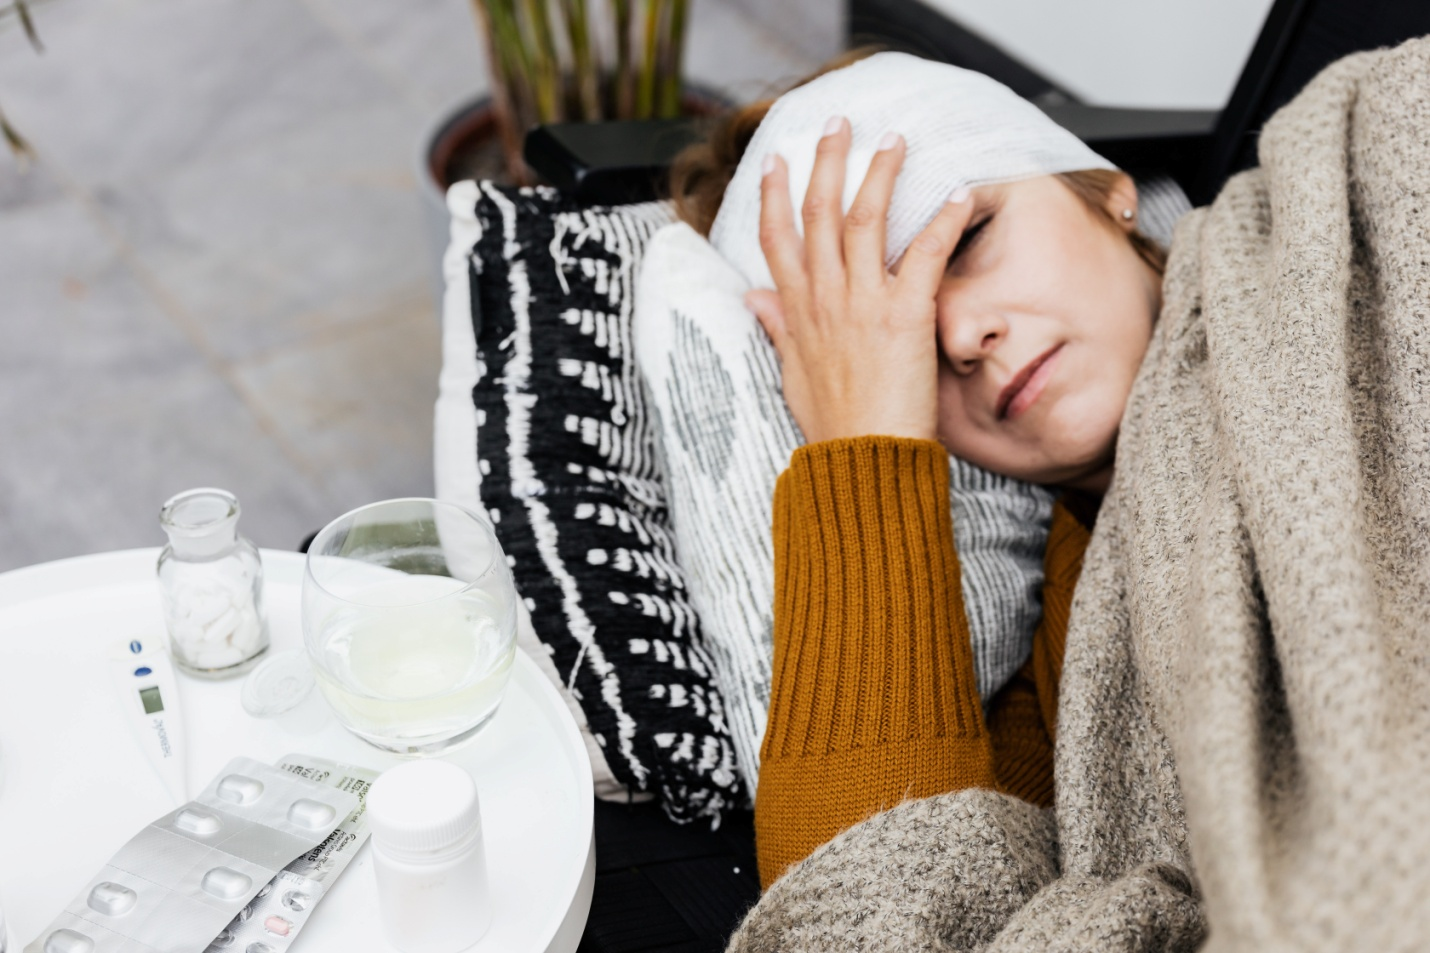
{"x":218,"y":272}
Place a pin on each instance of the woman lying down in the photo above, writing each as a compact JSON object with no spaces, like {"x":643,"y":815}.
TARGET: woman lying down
{"x":1227,"y":741}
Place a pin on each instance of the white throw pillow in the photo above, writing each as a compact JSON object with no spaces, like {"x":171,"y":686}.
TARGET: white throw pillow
{"x":727,"y":434}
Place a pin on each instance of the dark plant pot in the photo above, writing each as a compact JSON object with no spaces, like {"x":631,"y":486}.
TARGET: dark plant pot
{"x":463,"y":143}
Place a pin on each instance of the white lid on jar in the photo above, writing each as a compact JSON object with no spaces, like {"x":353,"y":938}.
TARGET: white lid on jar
{"x":424,"y":809}
{"x":279,"y":684}
{"x":200,"y":522}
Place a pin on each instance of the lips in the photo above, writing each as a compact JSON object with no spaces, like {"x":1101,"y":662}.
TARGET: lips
{"x":1023,"y":390}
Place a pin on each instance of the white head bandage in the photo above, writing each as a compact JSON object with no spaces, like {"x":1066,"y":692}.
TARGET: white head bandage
{"x":961,"y":128}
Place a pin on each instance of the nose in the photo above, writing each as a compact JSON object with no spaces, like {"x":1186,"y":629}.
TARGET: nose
{"x":968,"y":333}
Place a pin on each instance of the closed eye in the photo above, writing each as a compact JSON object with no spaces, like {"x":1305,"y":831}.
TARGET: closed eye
{"x":970,"y":235}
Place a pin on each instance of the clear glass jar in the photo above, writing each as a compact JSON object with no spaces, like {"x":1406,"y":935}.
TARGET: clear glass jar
{"x":211,"y":581}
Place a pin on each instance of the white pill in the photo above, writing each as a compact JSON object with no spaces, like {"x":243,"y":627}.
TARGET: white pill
{"x":311,"y":814}
{"x":240,"y":789}
{"x":226,"y":884}
{"x":206,"y":608}
{"x":112,"y":900}
{"x":222,"y":625}
{"x":195,"y":822}
{"x":68,"y":941}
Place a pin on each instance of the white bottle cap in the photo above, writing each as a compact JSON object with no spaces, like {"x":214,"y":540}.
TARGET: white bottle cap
{"x":423,"y":807}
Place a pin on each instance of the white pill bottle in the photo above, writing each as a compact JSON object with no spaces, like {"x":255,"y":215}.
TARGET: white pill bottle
{"x":429,"y":857}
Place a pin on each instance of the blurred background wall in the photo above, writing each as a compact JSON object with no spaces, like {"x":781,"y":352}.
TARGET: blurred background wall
{"x":1176,"y":54}
{"x":1167,"y":54}
{"x":817,"y":28}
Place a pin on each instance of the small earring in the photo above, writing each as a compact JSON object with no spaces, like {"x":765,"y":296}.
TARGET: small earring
{"x":1127,"y":215}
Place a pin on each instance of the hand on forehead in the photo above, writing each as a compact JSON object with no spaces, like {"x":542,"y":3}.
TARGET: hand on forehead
{"x":799,"y":160}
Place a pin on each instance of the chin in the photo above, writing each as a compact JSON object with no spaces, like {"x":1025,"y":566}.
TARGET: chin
{"x":1082,"y":445}
{"x":1070,"y":444}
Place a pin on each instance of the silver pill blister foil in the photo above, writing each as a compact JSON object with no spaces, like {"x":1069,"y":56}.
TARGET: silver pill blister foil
{"x":177,"y":882}
{"x":281,"y":909}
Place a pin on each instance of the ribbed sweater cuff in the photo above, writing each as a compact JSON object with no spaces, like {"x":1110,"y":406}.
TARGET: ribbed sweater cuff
{"x":871,"y":640}
{"x":805,"y":802}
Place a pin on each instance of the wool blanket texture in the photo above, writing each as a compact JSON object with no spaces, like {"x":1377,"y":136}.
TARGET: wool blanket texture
{"x":1243,"y":749}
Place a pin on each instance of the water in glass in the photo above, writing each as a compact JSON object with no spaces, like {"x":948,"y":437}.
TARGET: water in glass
{"x":412,"y":631}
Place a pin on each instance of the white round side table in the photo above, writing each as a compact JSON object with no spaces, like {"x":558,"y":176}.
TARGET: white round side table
{"x":74,"y":785}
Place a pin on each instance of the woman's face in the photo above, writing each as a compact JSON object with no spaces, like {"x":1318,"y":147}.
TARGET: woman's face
{"x":1044,"y":316}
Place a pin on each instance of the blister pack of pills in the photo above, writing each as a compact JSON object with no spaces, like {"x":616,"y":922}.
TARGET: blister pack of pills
{"x":270,"y":922}
{"x":177,"y":882}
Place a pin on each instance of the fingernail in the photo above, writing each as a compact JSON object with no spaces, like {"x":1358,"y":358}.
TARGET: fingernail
{"x":833,"y":126}
{"x":768,"y":165}
{"x":959,"y":196}
{"x":890,"y":140}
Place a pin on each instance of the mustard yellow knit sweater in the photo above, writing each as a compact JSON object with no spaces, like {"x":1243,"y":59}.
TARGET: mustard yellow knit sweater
{"x":874,"y":698}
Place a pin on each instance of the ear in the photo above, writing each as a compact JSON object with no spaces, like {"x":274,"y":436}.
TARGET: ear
{"x":1121,"y":199}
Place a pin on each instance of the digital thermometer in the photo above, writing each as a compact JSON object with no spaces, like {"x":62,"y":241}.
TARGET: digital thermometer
{"x":145,"y":679}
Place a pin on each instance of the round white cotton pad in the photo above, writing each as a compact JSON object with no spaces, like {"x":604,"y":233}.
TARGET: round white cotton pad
{"x":962,"y":129}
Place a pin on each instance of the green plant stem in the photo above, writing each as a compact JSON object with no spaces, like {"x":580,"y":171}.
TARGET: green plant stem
{"x":511,"y":55}
{"x":22,"y":9}
{"x":505,"y":78}
{"x":624,"y":96}
{"x":645,"y":80}
{"x":672,"y":60}
{"x":546,"y":66}
{"x":18,"y":146}
{"x":586,"y":66}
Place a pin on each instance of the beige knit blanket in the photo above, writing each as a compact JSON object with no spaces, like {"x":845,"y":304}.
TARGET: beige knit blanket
{"x":1243,"y":755}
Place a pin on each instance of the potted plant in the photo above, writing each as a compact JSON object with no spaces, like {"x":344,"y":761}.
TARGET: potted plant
{"x":548,"y":64}
{"x":18,"y":10}
{"x":537,"y":78}
{"x":557,"y":61}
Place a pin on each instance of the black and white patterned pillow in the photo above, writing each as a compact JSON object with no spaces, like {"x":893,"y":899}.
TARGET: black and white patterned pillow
{"x":569,"y":475}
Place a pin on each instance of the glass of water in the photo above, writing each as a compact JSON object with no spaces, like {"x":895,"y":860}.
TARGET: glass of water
{"x":409,"y":616}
